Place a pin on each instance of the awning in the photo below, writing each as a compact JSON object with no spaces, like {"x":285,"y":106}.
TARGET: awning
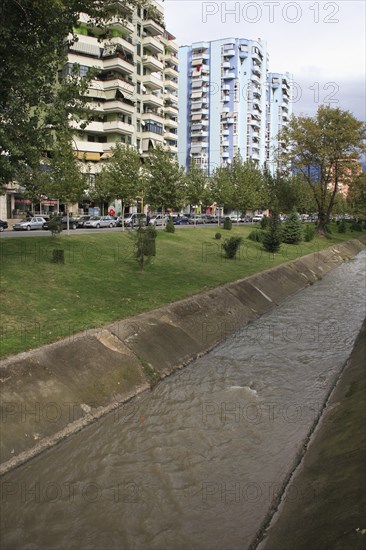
{"x":87,"y":155}
{"x":196,"y":95}
{"x":196,"y":149}
{"x":106,"y":155}
{"x":148,"y":144}
{"x":197,"y":105}
{"x":196,"y":83}
{"x":87,"y":49}
{"x":197,"y":61}
{"x":196,"y":117}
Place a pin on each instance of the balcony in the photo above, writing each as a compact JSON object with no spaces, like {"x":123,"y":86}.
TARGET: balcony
{"x":126,"y":43}
{"x":152,"y":99}
{"x":118,"y":127}
{"x":170,"y":71}
{"x":228,"y":74}
{"x":171,"y":109}
{"x":118,"y":106}
{"x":171,"y":58}
{"x":170,"y":135}
{"x":168,"y":96}
{"x":225,"y":154}
{"x":153,"y":27}
{"x":225,"y":132}
{"x":170,"y":123}
{"x":170,"y":84}
{"x":229,"y":53}
{"x":152,"y":44}
{"x":117,"y":63}
{"x":225,"y":143}
{"x":88,"y":146}
{"x":258,"y":57}
{"x":118,"y":82}
{"x":199,"y":134}
{"x":153,"y":115}
{"x":93,"y":126}
{"x":152,"y":63}
{"x":125,"y":25}
{"x":152,"y":82}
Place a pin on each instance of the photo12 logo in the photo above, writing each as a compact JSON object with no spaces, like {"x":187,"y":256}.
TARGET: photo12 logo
{"x":270,"y":12}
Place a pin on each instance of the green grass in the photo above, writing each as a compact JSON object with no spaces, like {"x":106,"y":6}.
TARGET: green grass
{"x":41,"y":302}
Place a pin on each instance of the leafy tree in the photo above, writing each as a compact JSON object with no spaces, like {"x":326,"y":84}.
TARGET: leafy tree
{"x":124,"y":176}
{"x":195,"y":187}
{"x":248,"y":184}
{"x":35,"y":102}
{"x":99,"y":189}
{"x":292,"y":229}
{"x":356,"y":198}
{"x":324,"y":149}
{"x":272,"y":237}
{"x":221,"y":189}
{"x":165,"y":184}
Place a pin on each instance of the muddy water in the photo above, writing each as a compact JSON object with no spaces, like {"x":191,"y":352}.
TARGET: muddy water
{"x":196,"y":463}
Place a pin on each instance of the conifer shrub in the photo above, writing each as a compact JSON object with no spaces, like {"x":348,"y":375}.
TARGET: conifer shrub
{"x":231,"y":247}
{"x":292,"y":229}
{"x":264,"y":222}
{"x":170,"y":227}
{"x":342,"y":227}
{"x":272,"y":237}
{"x":309,"y":233}
{"x":356,"y":226}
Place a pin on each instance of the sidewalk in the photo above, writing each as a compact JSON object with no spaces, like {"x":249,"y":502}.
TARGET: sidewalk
{"x":324,"y":506}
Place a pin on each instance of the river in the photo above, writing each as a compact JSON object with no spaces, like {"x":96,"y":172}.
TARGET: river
{"x":198,"y":462}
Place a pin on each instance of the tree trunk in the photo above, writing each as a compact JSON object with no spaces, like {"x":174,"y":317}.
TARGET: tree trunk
{"x":322,"y":222}
{"x":123,"y":216}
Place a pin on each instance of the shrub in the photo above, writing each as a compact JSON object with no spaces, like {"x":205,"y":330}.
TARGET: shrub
{"x":231,"y":246}
{"x":228,"y":224}
{"x":309,"y":232}
{"x":54,"y":225}
{"x":218,"y":236}
{"x":292,"y":229}
{"x":356,"y":226}
{"x":342,"y":226}
{"x":256,"y":235}
{"x":272,"y":237}
{"x":328,"y":229}
{"x":264,"y":222}
{"x":170,"y":227}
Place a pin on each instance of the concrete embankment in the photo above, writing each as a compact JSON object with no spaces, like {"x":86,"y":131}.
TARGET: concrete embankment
{"x":324,"y":504}
{"x":54,"y":391}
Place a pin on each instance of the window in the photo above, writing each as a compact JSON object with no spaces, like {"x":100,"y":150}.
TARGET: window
{"x":152,"y":126}
{"x":126,"y":139}
{"x":138,"y":49}
{"x":138,"y":68}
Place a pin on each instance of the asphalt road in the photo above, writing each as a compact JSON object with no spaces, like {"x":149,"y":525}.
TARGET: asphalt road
{"x":8,"y":233}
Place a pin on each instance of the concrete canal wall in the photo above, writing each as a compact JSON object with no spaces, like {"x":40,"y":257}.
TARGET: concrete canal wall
{"x":54,"y":391}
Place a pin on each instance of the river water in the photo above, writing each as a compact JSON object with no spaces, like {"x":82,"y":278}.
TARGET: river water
{"x":197,"y":462}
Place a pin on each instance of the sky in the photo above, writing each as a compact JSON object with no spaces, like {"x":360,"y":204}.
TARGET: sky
{"x":321,"y":43}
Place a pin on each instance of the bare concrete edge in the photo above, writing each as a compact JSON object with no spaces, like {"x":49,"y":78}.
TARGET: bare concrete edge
{"x":347,"y":251}
{"x":260,"y":540}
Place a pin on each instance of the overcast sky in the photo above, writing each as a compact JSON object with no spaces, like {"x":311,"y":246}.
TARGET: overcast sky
{"x":321,"y":43}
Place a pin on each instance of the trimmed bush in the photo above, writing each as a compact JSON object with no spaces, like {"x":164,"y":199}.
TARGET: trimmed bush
{"x":256,"y":235}
{"x":218,"y":236}
{"x":54,"y":225}
{"x":170,"y":227}
{"x":228,"y":224}
{"x":231,"y":247}
{"x":149,"y":242}
{"x":309,"y":232}
{"x":292,"y":229}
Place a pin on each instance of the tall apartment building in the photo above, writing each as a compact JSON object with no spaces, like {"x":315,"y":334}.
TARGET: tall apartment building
{"x":223,"y":102}
{"x":279,"y":110}
{"x":135,"y":95}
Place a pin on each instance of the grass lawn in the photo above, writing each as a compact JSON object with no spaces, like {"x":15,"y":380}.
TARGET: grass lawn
{"x":41,"y":302}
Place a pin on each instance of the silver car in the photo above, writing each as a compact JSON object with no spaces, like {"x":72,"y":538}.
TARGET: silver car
{"x":100,"y":221}
{"x":30,"y":223}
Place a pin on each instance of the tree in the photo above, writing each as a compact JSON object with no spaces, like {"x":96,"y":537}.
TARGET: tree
{"x":195,"y":187}
{"x":165,"y":184}
{"x":220,"y":188}
{"x":65,"y":179}
{"x":272,"y":237}
{"x":124,"y":176}
{"x":356,"y":198}
{"x":144,"y":242}
{"x":289,"y":191}
{"x":324,"y":149}
{"x":35,"y":99}
{"x":292,"y":229}
{"x":248,"y":184}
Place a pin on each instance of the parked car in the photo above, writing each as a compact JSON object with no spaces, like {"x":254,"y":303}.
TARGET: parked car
{"x":180,"y":220}
{"x":3,"y":225}
{"x":158,"y":219}
{"x":100,"y":221}
{"x":81,"y":221}
{"x":30,"y":223}
{"x":200,"y":219}
{"x":73,"y":224}
{"x":258,"y":218}
{"x":133,"y":220}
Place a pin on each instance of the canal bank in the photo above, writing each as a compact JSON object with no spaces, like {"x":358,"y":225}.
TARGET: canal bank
{"x":332,"y":514}
{"x":52,"y":392}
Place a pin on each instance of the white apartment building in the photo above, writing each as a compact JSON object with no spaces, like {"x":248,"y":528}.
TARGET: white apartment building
{"x":134,"y":97}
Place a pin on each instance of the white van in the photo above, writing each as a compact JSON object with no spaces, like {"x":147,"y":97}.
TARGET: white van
{"x":134,"y":219}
